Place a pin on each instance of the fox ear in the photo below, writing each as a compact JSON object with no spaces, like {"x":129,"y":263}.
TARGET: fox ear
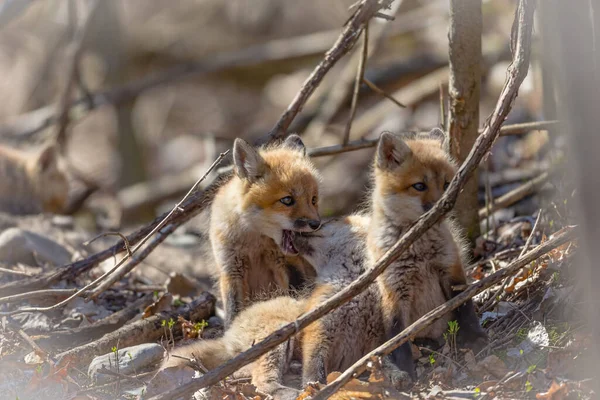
{"x":46,"y":158}
{"x":294,"y":142}
{"x":392,"y":151}
{"x":438,"y":134}
{"x":248,"y":164}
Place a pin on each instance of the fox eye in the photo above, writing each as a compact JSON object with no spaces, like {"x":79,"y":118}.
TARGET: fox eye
{"x":446,"y":185}
{"x":314,"y":200}
{"x":287,"y":200}
{"x":420,"y":186}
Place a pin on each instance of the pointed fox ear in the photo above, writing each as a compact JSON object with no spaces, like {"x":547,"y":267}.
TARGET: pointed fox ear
{"x":248,"y":164}
{"x":47,"y":157}
{"x":438,"y":134}
{"x":294,"y":142}
{"x":391,"y":151}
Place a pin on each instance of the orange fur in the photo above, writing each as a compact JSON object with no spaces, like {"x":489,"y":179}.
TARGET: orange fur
{"x":249,"y":217}
{"x":410,"y":175}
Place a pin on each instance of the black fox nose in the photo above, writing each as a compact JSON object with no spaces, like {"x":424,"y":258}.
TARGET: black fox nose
{"x":427,"y":206}
{"x":314,"y":224}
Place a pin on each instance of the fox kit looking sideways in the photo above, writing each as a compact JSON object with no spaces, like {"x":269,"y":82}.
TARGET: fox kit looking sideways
{"x":411,"y":174}
{"x":32,"y":183}
{"x":273,"y":193}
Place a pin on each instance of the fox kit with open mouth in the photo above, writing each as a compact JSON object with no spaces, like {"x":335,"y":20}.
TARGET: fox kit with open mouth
{"x":272,"y":195}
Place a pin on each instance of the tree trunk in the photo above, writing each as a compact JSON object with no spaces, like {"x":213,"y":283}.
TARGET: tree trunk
{"x":464,"y":87}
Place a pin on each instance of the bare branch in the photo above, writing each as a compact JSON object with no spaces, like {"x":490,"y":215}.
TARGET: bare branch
{"x":382,"y":92}
{"x":516,"y":129}
{"x":122,"y":271}
{"x":363,"y":14}
{"x":64,"y":104}
{"x":48,"y":293}
{"x":360,"y":73}
{"x":515,"y":195}
{"x":516,"y":74}
{"x":438,"y":312}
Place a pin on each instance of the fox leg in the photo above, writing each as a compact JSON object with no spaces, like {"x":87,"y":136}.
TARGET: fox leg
{"x":232,"y":295}
{"x":470,"y":333}
{"x":267,"y":375}
{"x":401,"y":357}
{"x":315,"y":354}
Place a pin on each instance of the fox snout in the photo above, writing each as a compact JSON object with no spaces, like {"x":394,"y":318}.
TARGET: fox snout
{"x":303,"y":223}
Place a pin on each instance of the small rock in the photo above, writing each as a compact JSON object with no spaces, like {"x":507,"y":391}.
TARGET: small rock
{"x":494,"y":365}
{"x":131,"y":360}
{"x":21,"y":246}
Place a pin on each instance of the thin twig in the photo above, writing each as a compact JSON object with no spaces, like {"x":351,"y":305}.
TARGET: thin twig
{"x":442,"y":108}
{"x":382,"y":92}
{"x":360,"y":73}
{"x":14,"y":272}
{"x":368,"y":143}
{"x":532,"y":234}
{"x":438,"y":312}
{"x":37,"y":294}
{"x":345,"y":42}
{"x":517,"y":72}
{"x":64,"y":104}
{"x":119,"y":234}
{"x":122,"y":271}
{"x":515,"y":195}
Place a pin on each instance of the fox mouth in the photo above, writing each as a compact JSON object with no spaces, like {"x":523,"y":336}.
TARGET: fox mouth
{"x":287,"y":242}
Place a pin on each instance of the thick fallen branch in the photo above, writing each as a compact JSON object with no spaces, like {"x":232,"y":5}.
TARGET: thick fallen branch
{"x":438,"y":312}
{"x":515,"y":195}
{"x":143,"y":331}
{"x":517,"y":72}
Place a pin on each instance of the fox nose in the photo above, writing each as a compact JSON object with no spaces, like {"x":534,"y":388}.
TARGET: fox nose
{"x":427,"y":206}
{"x":314,"y":224}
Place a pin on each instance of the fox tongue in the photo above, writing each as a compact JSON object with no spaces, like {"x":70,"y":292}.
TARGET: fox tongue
{"x":287,"y":242}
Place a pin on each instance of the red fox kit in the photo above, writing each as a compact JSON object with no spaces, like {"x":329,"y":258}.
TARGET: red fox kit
{"x":31,"y":184}
{"x":273,"y":193}
{"x":410,"y":176}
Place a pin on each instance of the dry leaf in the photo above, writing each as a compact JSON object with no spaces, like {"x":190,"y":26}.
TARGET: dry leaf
{"x":162,"y":304}
{"x":556,"y":392}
